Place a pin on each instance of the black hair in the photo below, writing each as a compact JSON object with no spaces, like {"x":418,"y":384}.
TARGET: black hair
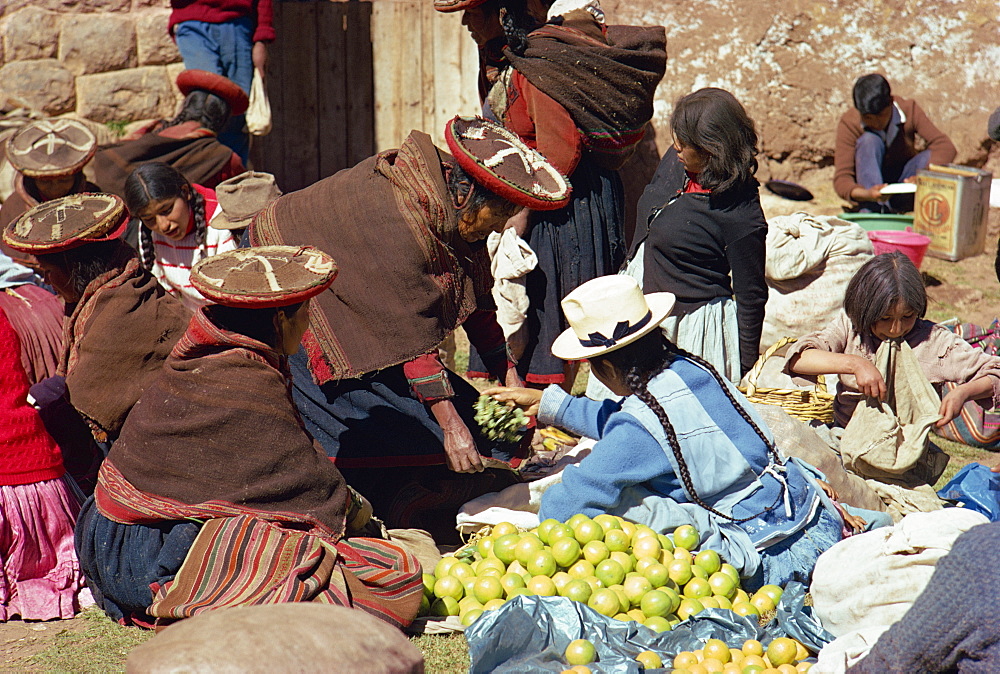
{"x":872,"y":94}
{"x":85,"y":263}
{"x":209,"y":110}
{"x":645,"y":358}
{"x":155,"y":181}
{"x":713,"y":122}
{"x":516,"y":23}
{"x":253,"y":323}
{"x":882,"y":283}
{"x":468,"y":196}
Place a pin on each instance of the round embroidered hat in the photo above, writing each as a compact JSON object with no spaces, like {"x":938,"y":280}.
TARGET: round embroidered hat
{"x":447,"y":6}
{"x":264,"y":276}
{"x":502,"y":162}
{"x":51,"y":148}
{"x":224,"y":88}
{"x":607,"y":313}
{"x":67,"y":222}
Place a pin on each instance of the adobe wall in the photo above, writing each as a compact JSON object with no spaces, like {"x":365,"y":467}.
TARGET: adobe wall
{"x":793,"y":65}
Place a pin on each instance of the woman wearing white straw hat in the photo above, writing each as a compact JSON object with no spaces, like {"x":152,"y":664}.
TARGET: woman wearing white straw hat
{"x":682,"y":447}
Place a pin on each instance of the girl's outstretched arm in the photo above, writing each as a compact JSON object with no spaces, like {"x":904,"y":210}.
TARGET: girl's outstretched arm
{"x":817,"y":361}
{"x":951,"y":404}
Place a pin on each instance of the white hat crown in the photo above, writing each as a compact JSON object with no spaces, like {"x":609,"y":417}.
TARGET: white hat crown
{"x":606,"y":309}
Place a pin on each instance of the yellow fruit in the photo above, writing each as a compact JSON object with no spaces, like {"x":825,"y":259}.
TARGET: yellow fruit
{"x":712,"y":665}
{"x":493,"y":604}
{"x":800,"y":651}
{"x":580,"y":652}
{"x":503,"y":529}
{"x":752,"y":647}
{"x":449,"y":586}
{"x":629,"y":528}
{"x":803,"y":666}
{"x":736,"y":655}
{"x":718,"y":649}
{"x":686,"y":536}
{"x":472,"y":616}
{"x":787,"y":669}
{"x":762,"y":602}
{"x":731,"y":668}
{"x":542,"y":586}
{"x":781,"y":651}
{"x":685,"y":659}
{"x":752,"y":660}
{"x":649,"y":660}
{"x":657,"y":623}
{"x":445,"y":606}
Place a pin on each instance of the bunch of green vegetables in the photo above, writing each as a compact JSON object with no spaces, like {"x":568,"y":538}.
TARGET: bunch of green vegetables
{"x":500,"y":421}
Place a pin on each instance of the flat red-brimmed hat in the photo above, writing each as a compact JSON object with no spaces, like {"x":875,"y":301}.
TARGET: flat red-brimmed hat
{"x":456,"y":5}
{"x":501,"y":161}
{"x":51,"y":148}
{"x":226,"y":89}
{"x":265,"y":276}
{"x":67,"y":222}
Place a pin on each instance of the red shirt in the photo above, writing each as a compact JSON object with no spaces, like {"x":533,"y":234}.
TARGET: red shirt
{"x":221,"y":11}
{"x":27,"y":452}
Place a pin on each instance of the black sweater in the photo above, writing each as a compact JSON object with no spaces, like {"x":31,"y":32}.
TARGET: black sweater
{"x":694,"y":241}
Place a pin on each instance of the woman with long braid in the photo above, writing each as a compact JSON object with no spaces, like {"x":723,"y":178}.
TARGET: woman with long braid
{"x":683,"y":446}
{"x":174,"y":232}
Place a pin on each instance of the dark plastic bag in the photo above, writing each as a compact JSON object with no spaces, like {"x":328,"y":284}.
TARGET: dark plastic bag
{"x":530,"y":634}
{"x":977,"y":488}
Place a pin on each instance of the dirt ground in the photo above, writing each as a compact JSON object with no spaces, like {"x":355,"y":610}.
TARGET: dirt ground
{"x":967,"y":290}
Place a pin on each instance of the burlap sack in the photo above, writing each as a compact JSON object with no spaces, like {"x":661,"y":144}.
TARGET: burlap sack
{"x":873,"y":578}
{"x":888,"y":440}
{"x":794,"y":438}
{"x":810,"y":260}
{"x":295,"y":637}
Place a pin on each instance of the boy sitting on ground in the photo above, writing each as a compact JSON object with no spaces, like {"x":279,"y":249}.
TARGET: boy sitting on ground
{"x":876,"y":145}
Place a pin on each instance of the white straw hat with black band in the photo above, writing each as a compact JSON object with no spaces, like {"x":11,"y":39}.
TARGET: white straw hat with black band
{"x":607,"y":313}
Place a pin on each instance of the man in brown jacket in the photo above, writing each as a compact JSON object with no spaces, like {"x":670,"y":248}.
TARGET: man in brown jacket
{"x":876,"y":145}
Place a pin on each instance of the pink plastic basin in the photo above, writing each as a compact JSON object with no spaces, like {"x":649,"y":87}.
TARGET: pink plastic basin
{"x":910,"y":244}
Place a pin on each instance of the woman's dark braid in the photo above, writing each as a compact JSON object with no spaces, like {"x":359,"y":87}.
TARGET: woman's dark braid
{"x":197,"y":204}
{"x":639,"y":386}
{"x":772,"y":450}
{"x":147,"y":253}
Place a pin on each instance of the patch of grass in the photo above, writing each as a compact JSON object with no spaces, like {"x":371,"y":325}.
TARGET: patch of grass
{"x":102,"y":647}
{"x":443,"y":654}
{"x":960,"y":456}
{"x":117,"y":127}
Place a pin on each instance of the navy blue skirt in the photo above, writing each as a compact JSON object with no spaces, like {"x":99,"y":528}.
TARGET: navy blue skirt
{"x":122,"y":561}
{"x":574,"y":244}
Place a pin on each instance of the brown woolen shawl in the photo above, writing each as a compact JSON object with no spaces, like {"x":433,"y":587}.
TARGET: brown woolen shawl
{"x":219,"y":424}
{"x":605,"y":82}
{"x":198,"y":159}
{"x":116,"y":339}
{"x":407,"y":279}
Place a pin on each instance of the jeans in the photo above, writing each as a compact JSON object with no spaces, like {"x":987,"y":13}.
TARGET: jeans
{"x":869,"y":152}
{"x":224,"y":49}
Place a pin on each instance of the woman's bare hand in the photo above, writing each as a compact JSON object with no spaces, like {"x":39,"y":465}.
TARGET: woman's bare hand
{"x":527,"y":399}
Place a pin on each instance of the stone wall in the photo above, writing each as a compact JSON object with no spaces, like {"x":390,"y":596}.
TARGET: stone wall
{"x":793,"y":64}
{"x":105,"y":60}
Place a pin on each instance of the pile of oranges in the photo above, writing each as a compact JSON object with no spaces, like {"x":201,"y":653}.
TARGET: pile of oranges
{"x":782,"y":655}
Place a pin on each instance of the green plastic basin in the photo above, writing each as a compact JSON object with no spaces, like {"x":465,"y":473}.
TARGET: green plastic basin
{"x":872,"y":222}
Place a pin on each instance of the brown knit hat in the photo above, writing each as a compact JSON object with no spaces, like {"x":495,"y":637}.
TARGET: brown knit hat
{"x":501,"y":162}
{"x":67,"y":222}
{"x":264,"y":276}
{"x":51,"y":148}
{"x":242,"y":197}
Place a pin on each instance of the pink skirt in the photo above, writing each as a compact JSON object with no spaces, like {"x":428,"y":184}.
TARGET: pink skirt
{"x":40,"y":577}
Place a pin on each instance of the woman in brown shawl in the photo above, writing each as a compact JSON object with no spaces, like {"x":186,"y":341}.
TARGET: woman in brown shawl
{"x":217,"y":439}
{"x":580,"y":92}
{"x":408,"y":226}
{"x":119,"y":325}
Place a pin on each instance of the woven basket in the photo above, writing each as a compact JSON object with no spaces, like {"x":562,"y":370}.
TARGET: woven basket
{"x":801,"y":403}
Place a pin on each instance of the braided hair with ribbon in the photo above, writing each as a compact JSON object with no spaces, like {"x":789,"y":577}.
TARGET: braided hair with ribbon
{"x":638,"y":363}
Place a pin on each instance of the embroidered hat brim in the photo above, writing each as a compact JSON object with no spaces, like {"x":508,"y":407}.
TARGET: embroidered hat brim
{"x":51,"y":148}
{"x":504,"y":164}
{"x":224,"y":88}
{"x":568,"y":347}
{"x":264,"y":277}
{"x":447,"y":6}
{"x":242,"y":197}
{"x":68,"y":222}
